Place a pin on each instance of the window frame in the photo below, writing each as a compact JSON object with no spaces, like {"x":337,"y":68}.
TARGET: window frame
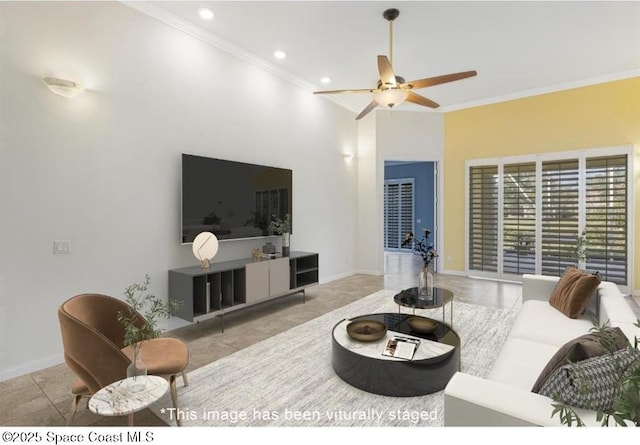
{"x":538,"y":159}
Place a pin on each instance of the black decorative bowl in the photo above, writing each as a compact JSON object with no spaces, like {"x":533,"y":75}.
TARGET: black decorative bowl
{"x":366,"y":330}
{"x":422,"y":325}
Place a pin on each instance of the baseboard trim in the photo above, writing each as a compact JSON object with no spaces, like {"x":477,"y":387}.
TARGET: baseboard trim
{"x":325,"y":280}
{"x":368,"y":272}
{"x":33,"y":366}
{"x":458,"y":273}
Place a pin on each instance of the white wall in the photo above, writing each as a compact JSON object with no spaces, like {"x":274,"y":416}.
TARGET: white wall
{"x":410,"y":136}
{"x":103,"y":170}
{"x":368,"y":254}
{"x":390,"y":135}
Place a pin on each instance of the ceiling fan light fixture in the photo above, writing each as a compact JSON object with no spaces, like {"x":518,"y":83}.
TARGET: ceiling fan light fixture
{"x":391,"y":97}
{"x":392,"y":90}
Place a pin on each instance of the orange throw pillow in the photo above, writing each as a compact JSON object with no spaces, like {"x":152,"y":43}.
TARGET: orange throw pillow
{"x":572,"y":293}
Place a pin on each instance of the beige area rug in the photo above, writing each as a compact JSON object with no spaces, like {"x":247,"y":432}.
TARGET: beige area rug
{"x":287,"y":380}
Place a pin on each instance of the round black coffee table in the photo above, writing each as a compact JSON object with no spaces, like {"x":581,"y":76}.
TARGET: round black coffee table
{"x":440,"y":298}
{"x":361,"y":364}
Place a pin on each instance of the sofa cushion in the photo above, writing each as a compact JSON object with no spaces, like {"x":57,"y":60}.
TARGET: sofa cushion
{"x":581,"y":348}
{"x":541,"y":323}
{"x":572,"y":293}
{"x":593,"y":383}
{"x":520,"y":362}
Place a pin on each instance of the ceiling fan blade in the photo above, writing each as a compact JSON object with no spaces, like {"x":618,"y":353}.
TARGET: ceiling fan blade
{"x":431,"y":81}
{"x":420,"y":100}
{"x":387,"y":77}
{"x":368,"y":109}
{"x":364,"y":90}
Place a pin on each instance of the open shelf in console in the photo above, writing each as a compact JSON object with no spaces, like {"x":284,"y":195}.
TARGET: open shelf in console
{"x":200,"y":287}
{"x":304,"y":269}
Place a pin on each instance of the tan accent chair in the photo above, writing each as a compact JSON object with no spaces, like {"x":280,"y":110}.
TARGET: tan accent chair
{"x":94,"y":349}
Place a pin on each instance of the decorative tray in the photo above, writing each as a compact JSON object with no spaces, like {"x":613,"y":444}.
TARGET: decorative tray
{"x":366,"y":330}
{"x":422,"y":325}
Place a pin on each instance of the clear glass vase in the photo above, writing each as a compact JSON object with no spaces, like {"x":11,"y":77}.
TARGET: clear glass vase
{"x":425,"y":284}
{"x":137,"y":370}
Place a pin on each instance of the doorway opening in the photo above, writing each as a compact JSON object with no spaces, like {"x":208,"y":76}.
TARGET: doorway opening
{"x":410,"y":205}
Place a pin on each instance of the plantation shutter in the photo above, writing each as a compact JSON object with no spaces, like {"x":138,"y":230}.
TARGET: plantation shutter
{"x":406,"y":212}
{"x":560,"y":188}
{"x":606,"y":217}
{"x":391,"y":212}
{"x":483,"y":218}
{"x":519,"y":219}
{"x":398,"y":212}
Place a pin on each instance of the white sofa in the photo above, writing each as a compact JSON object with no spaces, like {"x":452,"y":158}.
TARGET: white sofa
{"x":504,"y":398}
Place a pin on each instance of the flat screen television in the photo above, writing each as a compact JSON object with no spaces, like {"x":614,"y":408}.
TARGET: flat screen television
{"x":233,"y":200}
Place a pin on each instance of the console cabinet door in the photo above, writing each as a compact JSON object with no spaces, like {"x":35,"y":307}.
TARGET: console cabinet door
{"x":279,"y":276}
{"x":257,"y":281}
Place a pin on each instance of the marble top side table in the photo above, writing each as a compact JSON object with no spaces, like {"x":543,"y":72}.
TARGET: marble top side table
{"x":124,"y":398}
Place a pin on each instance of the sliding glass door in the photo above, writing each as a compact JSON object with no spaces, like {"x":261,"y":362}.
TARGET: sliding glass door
{"x":607,"y":217}
{"x":528,"y":215}
{"x":519,"y":218}
{"x":483,"y":218}
{"x":560,"y":219}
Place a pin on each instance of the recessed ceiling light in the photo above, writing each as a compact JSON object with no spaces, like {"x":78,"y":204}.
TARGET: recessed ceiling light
{"x":205,"y":14}
{"x":325,"y":79}
{"x":279,"y":54}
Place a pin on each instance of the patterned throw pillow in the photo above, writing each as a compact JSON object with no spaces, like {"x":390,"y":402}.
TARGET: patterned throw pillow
{"x":572,"y":293}
{"x":584,"y":347}
{"x":593,"y":383}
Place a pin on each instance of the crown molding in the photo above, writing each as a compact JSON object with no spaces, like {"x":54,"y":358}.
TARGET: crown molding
{"x":187,"y":27}
{"x":543,"y":90}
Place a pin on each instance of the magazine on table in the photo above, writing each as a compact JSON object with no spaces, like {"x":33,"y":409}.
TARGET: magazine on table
{"x":401,"y":347}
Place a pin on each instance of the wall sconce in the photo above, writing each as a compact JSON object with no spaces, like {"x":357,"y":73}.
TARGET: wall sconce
{"x":62,"y":87}
{"x":348,"y":157}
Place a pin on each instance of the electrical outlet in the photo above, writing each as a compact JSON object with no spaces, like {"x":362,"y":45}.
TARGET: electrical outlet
{"x":61,"y":247}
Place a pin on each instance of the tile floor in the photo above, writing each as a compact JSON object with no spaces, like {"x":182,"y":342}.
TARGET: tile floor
{"x":43,"y":398}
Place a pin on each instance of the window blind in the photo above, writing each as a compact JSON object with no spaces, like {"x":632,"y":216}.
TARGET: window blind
{"x":589,"y":192}
{"x":519,"y":218}
{"x":483,"y":218}
{"x":606,"y":217}
{"x":560,"y":218}
{"x":398,"y":212}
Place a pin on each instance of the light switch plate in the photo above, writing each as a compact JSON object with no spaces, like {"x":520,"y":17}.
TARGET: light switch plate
{"x":61,"y":247}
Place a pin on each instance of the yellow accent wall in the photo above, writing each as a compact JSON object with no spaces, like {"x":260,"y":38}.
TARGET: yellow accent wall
{"x":602,"y":115}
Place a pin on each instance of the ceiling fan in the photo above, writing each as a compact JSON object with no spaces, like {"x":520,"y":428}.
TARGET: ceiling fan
{"x":392,"y":90}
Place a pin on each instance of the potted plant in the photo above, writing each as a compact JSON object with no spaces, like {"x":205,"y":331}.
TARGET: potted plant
{"x":282,"y":227}
{"x":428,"y":253}
{"x":140,"y":322}
{"x":580,"y":249}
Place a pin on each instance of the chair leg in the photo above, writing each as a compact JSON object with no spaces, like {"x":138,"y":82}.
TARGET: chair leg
{"x":184,"y":378}
{"x":74,"y":408}
{"x":174,"y":397}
